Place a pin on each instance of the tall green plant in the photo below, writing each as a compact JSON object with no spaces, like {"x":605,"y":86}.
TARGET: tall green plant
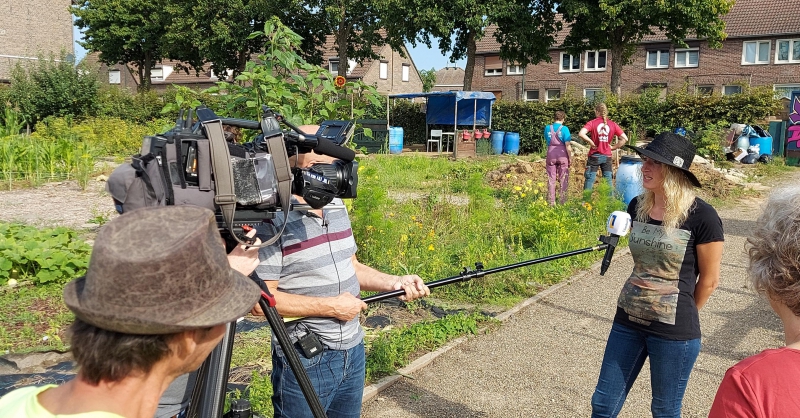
{"x":284,"y":81}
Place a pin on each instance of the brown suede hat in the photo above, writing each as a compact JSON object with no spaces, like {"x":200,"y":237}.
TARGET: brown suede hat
{"x":160,"y":270}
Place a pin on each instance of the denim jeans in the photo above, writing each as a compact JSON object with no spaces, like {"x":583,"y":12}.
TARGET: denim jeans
{"x":337,"y":376}
{"x":671,"y":362}
{"x":595,"y":161}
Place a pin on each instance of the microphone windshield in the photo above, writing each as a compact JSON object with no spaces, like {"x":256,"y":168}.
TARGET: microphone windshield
{"x":619,"y":223}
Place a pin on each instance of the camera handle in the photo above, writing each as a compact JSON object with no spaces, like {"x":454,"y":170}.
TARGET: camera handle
{"x":208,"y":396}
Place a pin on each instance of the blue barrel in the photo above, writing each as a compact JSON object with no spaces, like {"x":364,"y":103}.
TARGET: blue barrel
{"x":764,"y":144}
{"x":497,"y":141}
{"x":511,"y":143}
{"x":629,"y":178}
{"x":395,"y":139}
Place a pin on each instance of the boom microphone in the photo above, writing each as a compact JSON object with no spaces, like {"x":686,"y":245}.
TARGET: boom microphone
{"x":618,"y":225}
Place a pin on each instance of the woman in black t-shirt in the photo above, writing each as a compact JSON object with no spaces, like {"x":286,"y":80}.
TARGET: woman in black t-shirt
{"x":676,"y":244}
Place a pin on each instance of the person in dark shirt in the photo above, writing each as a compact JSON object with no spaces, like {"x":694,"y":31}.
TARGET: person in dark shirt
{"x":676,"y":243}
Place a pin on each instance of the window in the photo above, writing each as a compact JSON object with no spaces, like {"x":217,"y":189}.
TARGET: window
{"x":384,"y":70}
{"x":514,"y":69}
{"x":787,"y":51}
{"x":593,"y":93}
{"x":658,"y":59}
{"x":705,"y":90}
{"x":333,"y":66}
{"x":493,"y":66}
{"x":756,"y":52}
{"x":596,"y":60}
{"x":785,"y":90}
{"x":405,"y":72}
{"x":728,"y":90}
{"x":553,"y":94}
{"x":570,"y":63}
{"x":685,"y":58}
{"x":531,"y":95}
{"x":156,"y":74}
{"x":114,"y":77}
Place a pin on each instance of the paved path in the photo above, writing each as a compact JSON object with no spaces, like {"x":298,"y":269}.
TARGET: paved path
{"x":544,"y":360}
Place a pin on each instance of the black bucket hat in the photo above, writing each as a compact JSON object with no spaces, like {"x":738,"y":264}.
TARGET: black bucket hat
{"x":671,"y":149}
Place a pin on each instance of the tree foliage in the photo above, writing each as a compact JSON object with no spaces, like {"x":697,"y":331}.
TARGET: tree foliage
{"x":525,"y":29}
{"x":428,"y":79}
{"x":620,"y":25}
{"x":124,"y":31}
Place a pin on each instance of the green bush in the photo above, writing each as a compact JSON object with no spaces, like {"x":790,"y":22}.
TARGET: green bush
{"x":411,"y":118}
{"x":109,"y":136}
{"x":142,"y":107}
{"x":53,"y":87}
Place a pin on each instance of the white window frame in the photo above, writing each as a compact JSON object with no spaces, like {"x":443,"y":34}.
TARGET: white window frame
{"x":724,"y":93}
{"x":383,"y":70}
{"x":593,"y":89}
{"x":704,"y":86}
{"x":596,"y":60}
{"x":547,"y":95}
{"x":792,"y":86}
{"x":157,"y":74}
{"x":572,"y":68}
{"x":513,"y":69}
{"x":758,"y":45}
{"x":114,"y":77}
{"x":659,"y":64}
{"x":532,"y":91}
{"x":791,"y":49}
{"x":687,"y":52}
{"x":406,"y":71}
{"x":493,"y":72}
{"x":331,"y":63}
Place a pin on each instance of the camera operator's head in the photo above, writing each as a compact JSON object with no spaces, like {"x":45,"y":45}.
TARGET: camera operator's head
{"x":153,"y":304}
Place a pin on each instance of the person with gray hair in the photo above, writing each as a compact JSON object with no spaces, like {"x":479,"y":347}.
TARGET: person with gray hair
{"x":765,"y":385}
{"x":154,"y":302}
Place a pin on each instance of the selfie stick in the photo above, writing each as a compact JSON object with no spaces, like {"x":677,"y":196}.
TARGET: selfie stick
{"x":617,"y":225}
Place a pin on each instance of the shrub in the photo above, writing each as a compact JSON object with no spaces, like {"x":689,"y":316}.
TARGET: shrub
{"x":109,"y":136}
{"x":142,"y":107}
{"x":41,"y":256}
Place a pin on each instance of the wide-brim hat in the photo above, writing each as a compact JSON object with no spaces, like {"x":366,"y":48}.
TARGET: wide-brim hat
{"x":160,"y":270}
{"x":673,"y":150}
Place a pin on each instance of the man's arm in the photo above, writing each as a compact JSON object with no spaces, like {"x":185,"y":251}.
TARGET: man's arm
{"x":582,"y":135}
{"x":622,"y":139}
{"x":371,"y":279}
{"x":343,"y":307}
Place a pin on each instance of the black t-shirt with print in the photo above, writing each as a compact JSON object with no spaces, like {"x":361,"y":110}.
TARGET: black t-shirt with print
{"x":658,"y":297}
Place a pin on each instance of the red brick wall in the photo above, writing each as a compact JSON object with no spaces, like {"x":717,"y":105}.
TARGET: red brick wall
{"x":716,"y":67}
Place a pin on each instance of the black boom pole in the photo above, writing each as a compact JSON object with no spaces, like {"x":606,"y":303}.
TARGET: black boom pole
{"x":467,"y":274}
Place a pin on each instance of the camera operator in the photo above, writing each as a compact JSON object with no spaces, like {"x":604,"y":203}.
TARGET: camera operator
{"x":153,"y":304}
{"x":313,"y":272}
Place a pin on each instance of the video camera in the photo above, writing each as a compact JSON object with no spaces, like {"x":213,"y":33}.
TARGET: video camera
{"x":245,"y":184}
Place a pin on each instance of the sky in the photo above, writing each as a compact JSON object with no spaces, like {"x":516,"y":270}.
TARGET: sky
{"x":424,"y":57}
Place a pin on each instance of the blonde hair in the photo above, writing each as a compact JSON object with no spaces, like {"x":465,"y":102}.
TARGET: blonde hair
{"x":774,"y":249}
{"x":602,"y":110}
{"x":678,"y":194}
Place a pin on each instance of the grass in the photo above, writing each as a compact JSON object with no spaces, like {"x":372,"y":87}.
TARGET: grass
{"x":29,"y":315}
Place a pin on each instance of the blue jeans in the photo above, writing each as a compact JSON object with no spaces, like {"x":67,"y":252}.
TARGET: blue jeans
{"x":337,"y":376}
{"x":595,"y":161}
{"x":671,"y":362}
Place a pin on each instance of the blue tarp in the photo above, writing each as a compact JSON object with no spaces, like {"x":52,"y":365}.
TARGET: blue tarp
{"x":441,"y":107}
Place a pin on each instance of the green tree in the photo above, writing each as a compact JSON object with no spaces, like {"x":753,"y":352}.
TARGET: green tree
{"x":620,"y":25}
{"x":219,"y":32}
{"x":124,"y":31}
{"x":525,"y":29}
{"x":428,"y":79}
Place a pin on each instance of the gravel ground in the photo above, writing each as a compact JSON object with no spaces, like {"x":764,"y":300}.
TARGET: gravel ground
{"x":544,"y":360}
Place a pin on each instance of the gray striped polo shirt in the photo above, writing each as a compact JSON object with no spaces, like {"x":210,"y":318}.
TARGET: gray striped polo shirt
{"x":313,"y":258}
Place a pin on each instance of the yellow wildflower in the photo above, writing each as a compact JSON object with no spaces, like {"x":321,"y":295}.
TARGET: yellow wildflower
{"x":403,"y":238}
{"x":413,"y":218}
{"x":517,"y":188}
{"x":529,"y":180}
{"x":430,"y":247}
{"x":522,"y":195}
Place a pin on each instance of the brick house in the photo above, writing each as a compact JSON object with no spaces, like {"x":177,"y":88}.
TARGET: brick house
{"x":162,"y":75}
{"x":33,"y":28}
{"x":391,"y":74}
{"x":762,"y":49}
{"x":449,"y":79}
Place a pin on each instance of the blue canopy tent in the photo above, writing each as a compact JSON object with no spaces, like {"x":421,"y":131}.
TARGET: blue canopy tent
{"x":453,"y":108}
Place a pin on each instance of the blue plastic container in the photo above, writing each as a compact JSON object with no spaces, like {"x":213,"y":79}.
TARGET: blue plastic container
{"x":395,"y":140}
{"x":629,"y":178}
{"x":764,"y":144}
{"x":497,"y":141}
{"x":511,"y":143}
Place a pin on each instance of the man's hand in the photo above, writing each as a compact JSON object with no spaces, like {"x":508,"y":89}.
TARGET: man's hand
{"x":244,"y":258}
{"x":346,"y":306}
{"x":413,"y":285}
